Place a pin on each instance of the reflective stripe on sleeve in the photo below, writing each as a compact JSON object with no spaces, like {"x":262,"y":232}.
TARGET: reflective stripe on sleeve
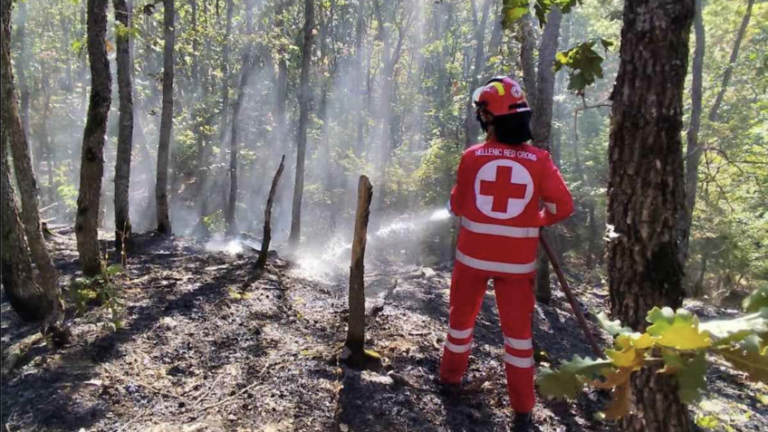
{"x":495,"y":266}
{"x":519,"y":344}
{"x":460,"y":334}
{"x":500,"y":230}
{"x":520,"y":362}
{"x":458,"y":349}
{"x":551,"y":207}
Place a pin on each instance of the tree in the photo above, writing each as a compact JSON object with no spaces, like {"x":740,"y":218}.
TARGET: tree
{"x":301,"y":136}
{"x":25,"y":178}
{"x":645,"y":190}
{"x":470,"y":125}
{"x":166,"y":121}
{"x":123,"y":16}
{"x":92,"y":156}
{"x":694,"y":150}
{"x":245,"y":75}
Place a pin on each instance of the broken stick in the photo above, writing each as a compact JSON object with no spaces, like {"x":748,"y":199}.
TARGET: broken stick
{"x":355,"y":346}
{"x":262,"y":261}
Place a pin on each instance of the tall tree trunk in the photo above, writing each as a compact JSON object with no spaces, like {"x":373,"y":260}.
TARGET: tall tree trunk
{"x":359,"y":78}
{"x":123,"y":15}
{"x":13,"y":131}
{"x":226,"y":71}
{"x":166,"y":122}
{"x":92,"y":156}
{"x":22,"y":66}
{"x":301,"y":139}
{"x":541,"y":126}
{"x":471,"y":126}
{"x":195,"y":48}
{"x":26,"y":297}
{"x":646,"y":192}
{"x":694,"y":150}
{"x":527,"y":47}
{"x":30,"y":301}
{"x":281,"y":96}
{"x":245,"y":75}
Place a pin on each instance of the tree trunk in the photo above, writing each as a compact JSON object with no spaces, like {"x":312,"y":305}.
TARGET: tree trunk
{"x":22,"y":66}
{"x":301,"y":140}
{"x":26,"y":297}
{"x":267,"y":237}
{"x":195,"y":48}
{"x":92,"y":157}
{"x":359,"y":78}
{"x":541,"y":126}
{"x":123,"y":15}
{"x":646,"y":192}
{"x":281,"y":96}
{"x":166,"y":122}
{"x":245,"y":75}
{"x":694,"y":150}
{"x":13,"y":132}
{"x":471,"y":126}
{"x":527,"y":48}
{"x":356,"y":323}
{"x":226,"y":72}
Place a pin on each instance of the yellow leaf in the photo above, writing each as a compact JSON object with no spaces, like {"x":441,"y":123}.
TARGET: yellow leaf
{"x":684,"y":336}
{"x":624,"y":358}
{"x":614,"y":379}
{"x":642,"y":341}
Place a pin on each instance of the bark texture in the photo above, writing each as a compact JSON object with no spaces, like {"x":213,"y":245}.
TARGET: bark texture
{"x":356,"y":324}
{"x":301,"y":138}
{"x":92,"y":156}
{"x":527,"y":47}
{"x":123,"y":16}
{"x":13,"y":132}
{"x":267,"y":236}
{"x":26,"y":297}
{"x":646,"y":190}
{"x":166,"y":122}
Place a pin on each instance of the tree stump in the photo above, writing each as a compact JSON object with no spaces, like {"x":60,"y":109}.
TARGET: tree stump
{"x":354,"y":353}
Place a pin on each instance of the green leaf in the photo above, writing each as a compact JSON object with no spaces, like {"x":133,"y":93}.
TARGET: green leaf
{"x":691,"y":378}
{"x":707,"y":422}
{"x":750,"y":356}
{"x":678,"y":330}
{"x":584,"y":64}
{"x":736,"y":329}
{"x":567,"y":381}
{"x":757,"y":300}
{"x":612,"y":327}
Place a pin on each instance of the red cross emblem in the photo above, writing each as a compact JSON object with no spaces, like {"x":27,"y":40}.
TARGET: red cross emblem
{"x":502,"y":189}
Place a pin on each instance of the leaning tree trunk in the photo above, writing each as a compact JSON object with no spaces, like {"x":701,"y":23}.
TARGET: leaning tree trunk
{"x":21,"y":66}
{"x":92,"y":157}
{"x":646,"y":192}
{"x":125,"y":130}
{"x":541,"y":126}
{"x":26,"y":297}
{"x":25,"y":178}
{"x":301,"y":140}
{"x":166,"y":122}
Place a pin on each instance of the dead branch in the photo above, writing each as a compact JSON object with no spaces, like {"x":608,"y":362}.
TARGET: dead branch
{"x":267,"y":237}
{"x":15,"y":352}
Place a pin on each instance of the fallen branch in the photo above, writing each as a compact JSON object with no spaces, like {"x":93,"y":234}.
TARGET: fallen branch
{"x":15,"y":352}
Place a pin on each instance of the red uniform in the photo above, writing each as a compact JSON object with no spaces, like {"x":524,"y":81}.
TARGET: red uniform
{"x":497,"y":197}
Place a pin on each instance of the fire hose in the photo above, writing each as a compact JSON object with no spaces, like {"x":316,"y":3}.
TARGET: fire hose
{"x":571,"y":299}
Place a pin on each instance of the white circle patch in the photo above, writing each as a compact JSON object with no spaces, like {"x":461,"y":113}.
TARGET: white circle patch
{"x":503,"y":188}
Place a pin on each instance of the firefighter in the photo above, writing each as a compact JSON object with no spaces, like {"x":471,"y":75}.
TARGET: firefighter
{"x":499,"y":187}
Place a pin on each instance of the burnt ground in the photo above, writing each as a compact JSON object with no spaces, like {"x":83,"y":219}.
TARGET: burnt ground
{"x":209,"y":345}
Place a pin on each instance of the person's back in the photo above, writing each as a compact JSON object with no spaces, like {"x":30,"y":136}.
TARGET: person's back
{"x":498,"y":191}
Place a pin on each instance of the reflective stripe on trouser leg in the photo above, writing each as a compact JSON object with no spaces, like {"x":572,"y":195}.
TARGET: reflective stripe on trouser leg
{"x":468,"y":287}
{"x":515,"y":298}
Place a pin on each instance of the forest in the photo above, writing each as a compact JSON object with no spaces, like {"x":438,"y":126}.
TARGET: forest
{"x":231,"y":215}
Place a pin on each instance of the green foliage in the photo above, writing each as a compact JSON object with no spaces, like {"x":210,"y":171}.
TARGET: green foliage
{"x":675,"y":340}
{"x":757,"y":300}
{"x":513,"y":10}
{"x":584,"y":64}
{"x":99,"y":291}
{"x":215,"y":221}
